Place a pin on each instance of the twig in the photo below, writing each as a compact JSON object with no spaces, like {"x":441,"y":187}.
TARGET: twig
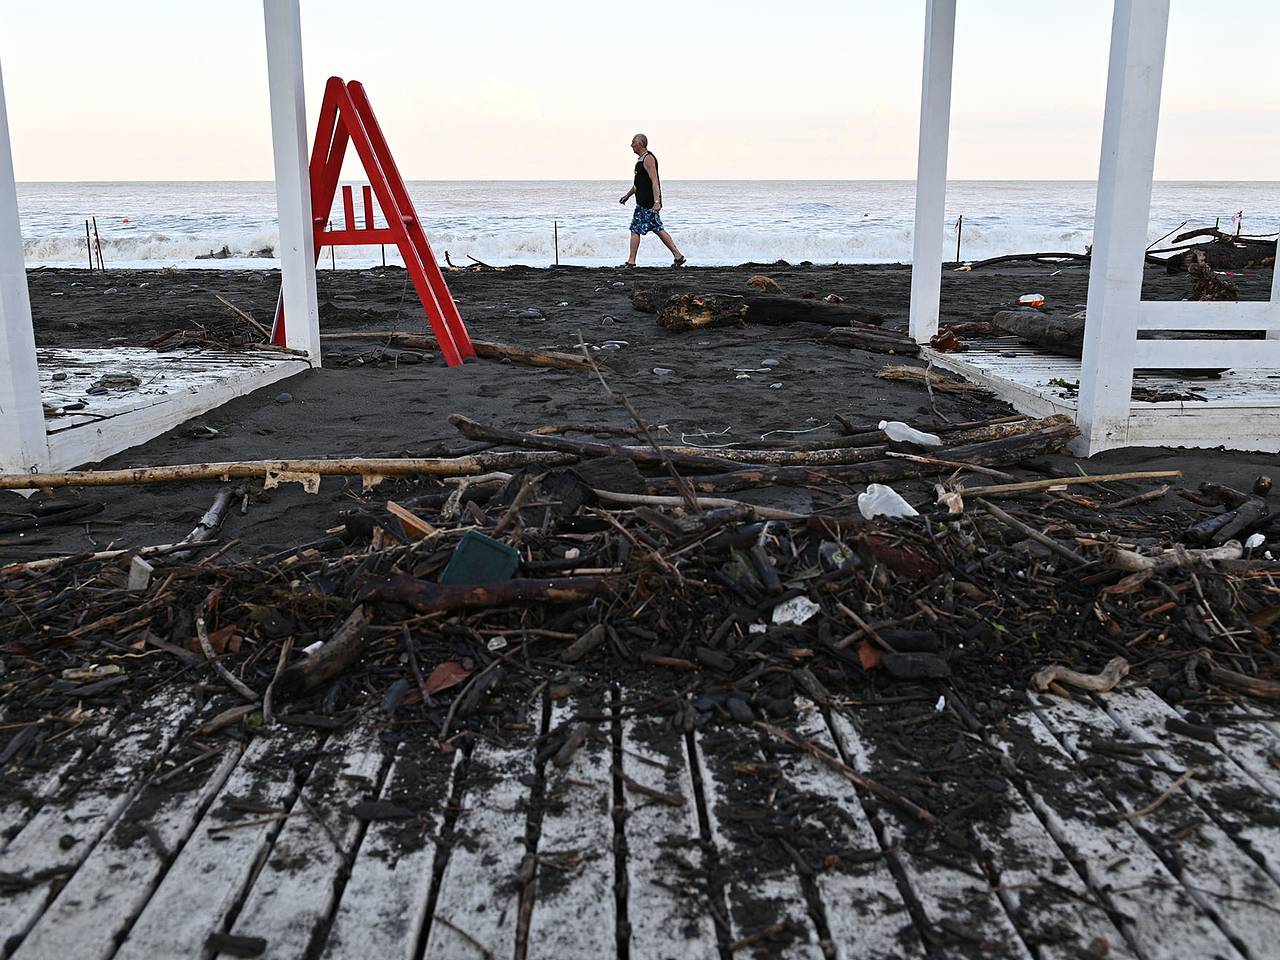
{"x":232,"y":680}
{"x":285,"y":649}
{"x":1033,"y":533}
{"x":1029,"y":485}
{"x":1151,"y":807}
{"x":266,"y":334}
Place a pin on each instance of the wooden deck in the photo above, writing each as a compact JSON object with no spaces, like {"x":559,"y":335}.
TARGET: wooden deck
{"x":1239,"y":410}
{"x":174,"y":386}
{"x":141,"y":839}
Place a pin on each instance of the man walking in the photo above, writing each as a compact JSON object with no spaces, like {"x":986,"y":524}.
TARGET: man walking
{"x":648,"y":193}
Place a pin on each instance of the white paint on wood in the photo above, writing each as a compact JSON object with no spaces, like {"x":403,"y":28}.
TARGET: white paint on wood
{"x":293,"y":182}
{"x":944,"y":892}
{"x":478,"y":890}
{"x":1217,"y":876}
{"x":1255,"y":745}
{"x":69,"y":825}
{"x":931,"y":167}
{"x":1234,"y":797}
{"x":22,"y":442}
{"x":774,"y":897}
{"x":666,"y":887}
{"x":1134,"y":79}
{"x":114,"y":883}
{"x":1193,"y":315}
{"x":293,"y":894}
{"x":864,"y":909}
{"x":175,"y":387}
{"x":574,"y":910}
{"x":208,"y":878}
{"x":384,"y":905}
{"x":1207,"y":353}
{"x":41,"y":783}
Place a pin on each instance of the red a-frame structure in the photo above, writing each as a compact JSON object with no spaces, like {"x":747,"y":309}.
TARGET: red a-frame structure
{"x":346,"y":117}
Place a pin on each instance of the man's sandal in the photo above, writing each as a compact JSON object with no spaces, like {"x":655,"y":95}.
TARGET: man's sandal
{"x":678,"y":263}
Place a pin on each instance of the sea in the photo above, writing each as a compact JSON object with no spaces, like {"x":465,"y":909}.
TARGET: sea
{"x":540,"y":223}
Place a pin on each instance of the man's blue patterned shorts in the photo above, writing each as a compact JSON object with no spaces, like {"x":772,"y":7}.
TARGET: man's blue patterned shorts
{"x":645,"y":220}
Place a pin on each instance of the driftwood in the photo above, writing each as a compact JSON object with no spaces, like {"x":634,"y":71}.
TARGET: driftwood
{"x":426,"y":597}
{"x":692,"y":311}
{"x":1052,"y":435}
{"x":1221,"y":251}
{"x":1059,"y":334}
{"x":873,"y":341}
{"x":1046,"y":258}
{"x":935,"y":380}
{"x":485,"y":349}
{"x":350,"y":467}
{"x":333,"y":658}
{"x":1116,"y":670}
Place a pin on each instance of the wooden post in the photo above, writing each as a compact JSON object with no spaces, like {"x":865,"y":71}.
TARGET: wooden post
{"x":23,"y":445}
{"x":1138,"y":32}
{"x":931,"y":168}
{"x":88,"y":244}
{"x":293,"y":182}
{"x":333,"y":251}
{"x":555,"y":226}
{"x":97,"y":245}
{"x":959,"y":232}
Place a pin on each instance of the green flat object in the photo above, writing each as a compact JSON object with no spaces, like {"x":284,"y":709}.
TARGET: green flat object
{"x":479,"y":559}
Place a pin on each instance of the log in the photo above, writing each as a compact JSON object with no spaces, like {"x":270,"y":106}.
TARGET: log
{"x":693,"y":311}
{"x":426,"y":597}
{"x":648,"y":299}
{"x":473,"y":430}
{"x":873,"y":342}
{"x":1063,"y":335}
{"x":351,"y":467}
{"x":935,"y":380}
{"x":485,"y":349}
{"x":329,"y":662}
{"x":1052,"y":435}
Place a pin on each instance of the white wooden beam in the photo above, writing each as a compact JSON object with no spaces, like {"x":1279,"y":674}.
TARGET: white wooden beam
{"x":1138,"y":32}
{"x":23,"y":447}
{"x":931,"y":167}
{"x":293,"y":183}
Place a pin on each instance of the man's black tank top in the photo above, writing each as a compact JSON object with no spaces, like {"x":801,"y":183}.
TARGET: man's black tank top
{"x":644,"y":184}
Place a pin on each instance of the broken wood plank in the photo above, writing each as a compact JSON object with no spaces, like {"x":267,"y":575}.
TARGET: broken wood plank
{"x":93,"y":911}
{"x":479,"y":899}
{"x":666,"y":874}
{"x":68,"y":826}
{"x":296,"y":889}
{"x":209,"y":877}
{"x":574,"y":910}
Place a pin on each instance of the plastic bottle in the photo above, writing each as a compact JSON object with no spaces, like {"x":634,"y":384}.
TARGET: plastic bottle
{"x":899,"y":432}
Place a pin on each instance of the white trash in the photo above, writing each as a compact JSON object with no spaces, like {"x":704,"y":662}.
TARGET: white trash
{"x":1255,"y":541}
{"x":899,"y":432}
{"x":796,"y":610}
{"x":884,"y":501}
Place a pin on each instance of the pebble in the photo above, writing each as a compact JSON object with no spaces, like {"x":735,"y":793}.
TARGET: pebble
{"x":775,"y":386}
{"x":529,"y":313}
{"x":617,"y":283}
{"x":59,"y":376}
{"x":109,"y":290}
{"x":663,"y":371}
{"x":284,"y":398}
{"x":408,"y":357}
{"x":770,"y":362}
{"x":739,"y":710}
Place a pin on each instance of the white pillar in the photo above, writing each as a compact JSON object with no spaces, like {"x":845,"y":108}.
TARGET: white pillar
{"x":1134,"y":78}
{"x":931,"y":167}
{"x":23,"y":444}
{"x":293,"y":183}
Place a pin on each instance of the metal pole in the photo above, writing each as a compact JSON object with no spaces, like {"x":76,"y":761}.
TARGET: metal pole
{"x":959,"y":231}
{"x":333,"y":253}
{"x":383,"y":248}
{"x":88,"y":244}
{"x":97,"y":242}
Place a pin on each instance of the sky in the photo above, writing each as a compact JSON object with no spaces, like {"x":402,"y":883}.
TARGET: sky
{"x":554,"y":89}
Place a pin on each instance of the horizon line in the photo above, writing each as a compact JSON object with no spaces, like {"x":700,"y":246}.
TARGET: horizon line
{"x":671,"y":180}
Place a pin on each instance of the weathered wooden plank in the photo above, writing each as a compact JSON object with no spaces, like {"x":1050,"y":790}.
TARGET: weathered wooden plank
{"x":91,"y":913}
{"x":759,"y":878}
{"x":1218,"y":877}
{"x":948,"y":895}
{"x":667,"y":907}
{"x":1250,"y":743}
{"x":383,"y":909}
{"x":68,"y":826}
{"x":864,"y":909}
{"x":1156,"y":914}
{"x":479,"y":896}
{"x":574,"y":907}
{"x":209,"y":876}
{"x":30,"y":783}
{"x":1224,"y":791}
{"x":291,"y":897}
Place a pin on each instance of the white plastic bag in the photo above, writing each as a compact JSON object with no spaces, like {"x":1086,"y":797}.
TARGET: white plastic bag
{"x":899,"y":432}
{"x":883,"y":501}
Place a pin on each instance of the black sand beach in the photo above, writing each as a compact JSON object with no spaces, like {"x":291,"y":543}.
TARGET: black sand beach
{"x":382,"y":404}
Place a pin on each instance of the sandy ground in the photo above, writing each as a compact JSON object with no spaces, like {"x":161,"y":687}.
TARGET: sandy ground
{"x":391,"y":408}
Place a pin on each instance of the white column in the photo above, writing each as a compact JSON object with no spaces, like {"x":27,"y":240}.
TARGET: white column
{"x":1134,"y":79}
{"x":293,"y":183}
{"x":23,"y":444}
{"x":931,"y":167}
